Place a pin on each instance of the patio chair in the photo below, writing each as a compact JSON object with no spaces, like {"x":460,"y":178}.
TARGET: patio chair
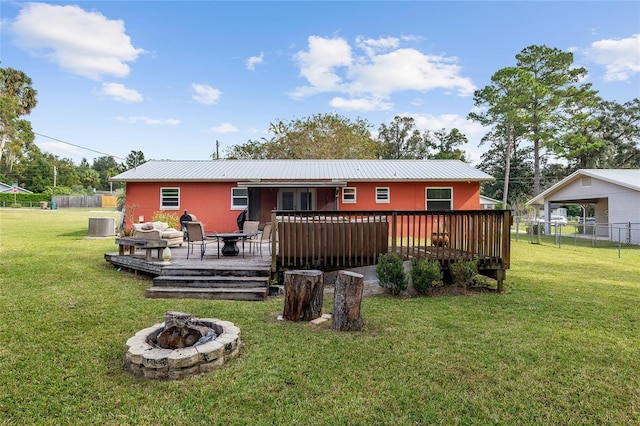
{"x":251,"y":228}
{"x":196,"y":237}
{"x":262,"y":239}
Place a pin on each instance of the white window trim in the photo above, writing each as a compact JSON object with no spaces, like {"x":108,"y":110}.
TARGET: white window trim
{"x":352,"y":190}
{"x":426,"y":200}
{"x":162,"y":206}
{"x":233,"y":197}
{"x":386,"y":200}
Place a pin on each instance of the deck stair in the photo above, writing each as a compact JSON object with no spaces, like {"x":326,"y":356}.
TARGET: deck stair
{"x":232,"y":283}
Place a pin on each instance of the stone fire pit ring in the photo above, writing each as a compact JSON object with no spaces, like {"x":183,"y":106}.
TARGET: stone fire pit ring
{"x":148,"y":360}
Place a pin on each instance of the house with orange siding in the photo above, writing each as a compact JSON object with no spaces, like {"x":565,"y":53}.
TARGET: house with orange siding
{"x":216,"y":191}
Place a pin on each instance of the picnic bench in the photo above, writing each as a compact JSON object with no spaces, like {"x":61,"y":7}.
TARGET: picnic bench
{"x":141,"y":243}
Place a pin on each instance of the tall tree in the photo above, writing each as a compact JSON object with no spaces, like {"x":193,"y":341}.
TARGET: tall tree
{"x":503,"y":103}
{"x":17,"y":98}
{"x":521,"y":171}
{"x":252,"y":150}
{"x":602,"y":134}
{"x":320,"y":136}
{"x":447,"y":145}
{"x":134,"y":159}
{"x":553,"y":80}
{"x":105,"y":165}
{"x":401,"y":140}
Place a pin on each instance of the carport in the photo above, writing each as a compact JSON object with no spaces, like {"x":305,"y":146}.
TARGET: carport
{"x":613,"y":193}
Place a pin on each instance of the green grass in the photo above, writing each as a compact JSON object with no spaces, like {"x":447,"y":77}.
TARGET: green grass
{"x":561,"y":346}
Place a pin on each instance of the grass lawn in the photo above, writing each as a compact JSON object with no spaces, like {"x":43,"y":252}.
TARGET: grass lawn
{"x":561,"y":346}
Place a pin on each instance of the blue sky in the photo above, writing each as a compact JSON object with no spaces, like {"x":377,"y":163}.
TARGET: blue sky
{"x":170,"y":78}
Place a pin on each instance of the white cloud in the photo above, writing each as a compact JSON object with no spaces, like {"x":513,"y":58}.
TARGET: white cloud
{"x":384,"y":68}
{"x":372,"y":46}
{"x":224,"y":128}
{"x":319,"y":63}
{"x":620,"y":57}
{"x":150,"y":121}
{"x":205,"y":94}
{"x":119,"y":92}
{"x":81,"y":42}
{"x":409,"y":69}
{"x":255,"y":60}
{"x":360,"y":104}
{"x":60,"y":149}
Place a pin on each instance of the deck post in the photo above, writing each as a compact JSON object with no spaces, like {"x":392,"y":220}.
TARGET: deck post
{"x":273,"y":242}
{"x":394,"y":228}
{"x":505,"y":249}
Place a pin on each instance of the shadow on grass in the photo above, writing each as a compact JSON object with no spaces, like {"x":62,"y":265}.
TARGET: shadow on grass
{"x":75,"y":234}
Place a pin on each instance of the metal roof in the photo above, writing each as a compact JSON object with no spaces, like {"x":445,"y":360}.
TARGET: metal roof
{"x":305,"y":170}
{"x":629,"y":178}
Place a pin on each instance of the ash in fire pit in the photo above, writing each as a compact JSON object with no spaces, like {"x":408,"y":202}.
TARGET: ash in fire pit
{"x":181,"y":332}
{"x":181,"y":346}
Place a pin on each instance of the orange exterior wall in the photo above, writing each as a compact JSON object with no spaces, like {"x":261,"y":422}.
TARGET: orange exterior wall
{"x":411,"y":195}
{"x":211,"y":201}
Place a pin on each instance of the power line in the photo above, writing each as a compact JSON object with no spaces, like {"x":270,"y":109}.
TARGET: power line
{"x":78,"y":146}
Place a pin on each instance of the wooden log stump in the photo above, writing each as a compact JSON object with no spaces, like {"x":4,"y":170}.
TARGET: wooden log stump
{"x":303,"y":291}
{"x":347,"y":300}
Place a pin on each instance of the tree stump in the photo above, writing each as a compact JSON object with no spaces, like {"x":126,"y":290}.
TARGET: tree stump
{"x":347,"y":299}
{"x":303,"y":292}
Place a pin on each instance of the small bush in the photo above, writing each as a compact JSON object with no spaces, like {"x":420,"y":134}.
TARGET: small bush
{"x":16,"y":205}
{"x":463,"y":272}
{"x":533,"y":229}
{"x":425,"y":274}
{"x":170,"y":218}
{"x":391,"y":274}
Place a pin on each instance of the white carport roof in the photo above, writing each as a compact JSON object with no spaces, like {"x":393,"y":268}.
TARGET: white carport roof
{"x":629,"y":178}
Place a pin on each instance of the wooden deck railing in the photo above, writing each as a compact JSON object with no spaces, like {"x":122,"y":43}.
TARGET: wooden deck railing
{"x":344,"y":239}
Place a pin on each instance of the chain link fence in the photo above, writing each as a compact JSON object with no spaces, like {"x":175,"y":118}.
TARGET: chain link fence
{"x":623,"y":236}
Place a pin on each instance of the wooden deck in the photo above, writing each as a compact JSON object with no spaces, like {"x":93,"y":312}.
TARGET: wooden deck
{"x":331,"y":241}
{"x":233,"y":278}
{"x":346,"y":239}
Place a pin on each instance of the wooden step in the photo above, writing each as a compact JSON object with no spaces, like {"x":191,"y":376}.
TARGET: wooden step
{"x":224,"y":293}
{"x":207,"y":271}
{"x":210,"y":281}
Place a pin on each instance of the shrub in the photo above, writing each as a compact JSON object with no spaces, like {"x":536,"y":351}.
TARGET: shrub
{"x":533,"y":229}
{"x":391,"y":274}
{"x":16,"y":205}
{"x":463,"y":272}
{"x":425,"y":274}
{"x":171,"y":219}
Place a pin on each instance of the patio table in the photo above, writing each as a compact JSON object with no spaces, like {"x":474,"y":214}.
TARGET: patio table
{"x":230,"y":239}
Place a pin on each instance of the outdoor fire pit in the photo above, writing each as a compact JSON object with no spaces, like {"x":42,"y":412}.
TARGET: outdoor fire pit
{"x":181,"y":346}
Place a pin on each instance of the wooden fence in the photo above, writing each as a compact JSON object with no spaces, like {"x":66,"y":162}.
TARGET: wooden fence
{"x":345,"y":239}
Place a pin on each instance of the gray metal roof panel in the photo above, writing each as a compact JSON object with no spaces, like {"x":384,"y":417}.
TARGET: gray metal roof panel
{"x":351,"y":170}
{"x":629,"y":178}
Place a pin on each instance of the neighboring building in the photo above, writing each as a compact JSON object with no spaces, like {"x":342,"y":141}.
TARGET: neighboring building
{"x":487,"y":203}
{"x":4,"y":188}
{"x":217,"y":191}
{"x":614,"y":195}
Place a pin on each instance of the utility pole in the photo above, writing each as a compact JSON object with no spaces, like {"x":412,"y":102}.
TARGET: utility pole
{"x":55,"y":175}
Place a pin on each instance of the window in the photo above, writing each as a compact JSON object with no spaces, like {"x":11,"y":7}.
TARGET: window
{"x":382,"y":195}
{"x":239,"y":198}
{"x":439,"y":199}
{"x":348,"y":195}
{"x":169,"y":198}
